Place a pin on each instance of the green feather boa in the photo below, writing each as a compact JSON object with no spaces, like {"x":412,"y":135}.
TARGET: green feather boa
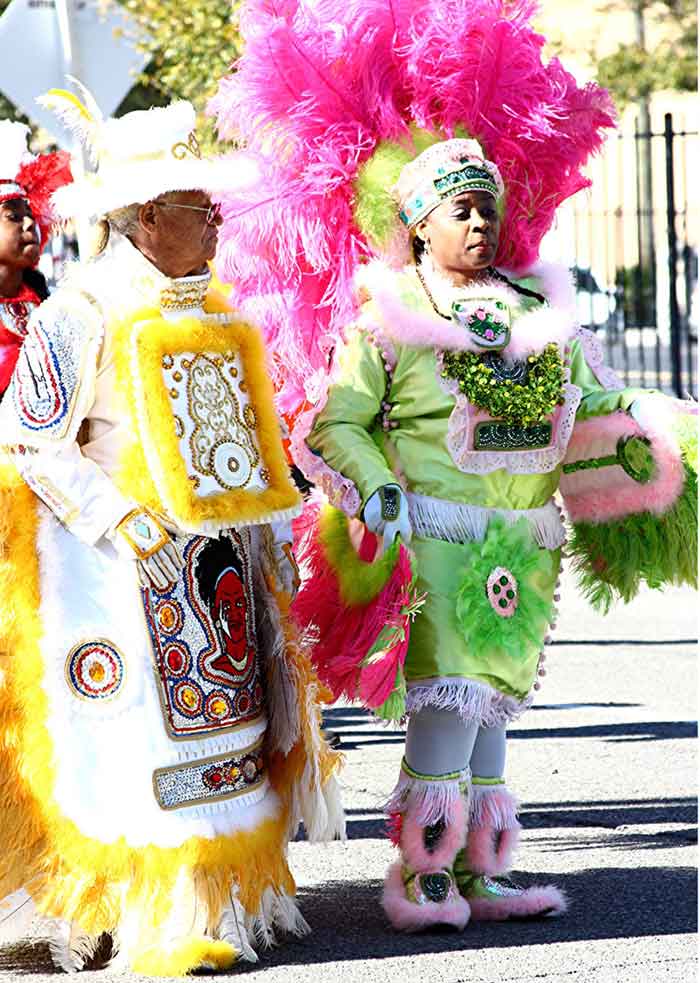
{"x":612,"y":559}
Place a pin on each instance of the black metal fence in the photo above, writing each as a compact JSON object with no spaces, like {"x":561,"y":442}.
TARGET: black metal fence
{"x":636,"y":259}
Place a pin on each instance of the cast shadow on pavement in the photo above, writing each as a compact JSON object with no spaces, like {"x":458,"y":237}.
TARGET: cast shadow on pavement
{"x":610,"y":814}
{"x":348,"y":922}
{"x":356,"y":728}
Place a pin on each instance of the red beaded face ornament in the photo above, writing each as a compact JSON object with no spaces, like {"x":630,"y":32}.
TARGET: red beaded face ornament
{"x":230,"y":609}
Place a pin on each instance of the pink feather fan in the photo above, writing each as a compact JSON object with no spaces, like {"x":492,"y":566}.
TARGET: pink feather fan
{"x":320,"y":85}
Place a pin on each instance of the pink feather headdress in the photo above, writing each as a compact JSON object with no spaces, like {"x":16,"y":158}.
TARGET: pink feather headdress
{"x":330,"y":91}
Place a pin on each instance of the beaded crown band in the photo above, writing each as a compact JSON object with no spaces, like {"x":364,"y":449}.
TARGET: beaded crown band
{"x":445,"y":185}
{"x":445,"y":169}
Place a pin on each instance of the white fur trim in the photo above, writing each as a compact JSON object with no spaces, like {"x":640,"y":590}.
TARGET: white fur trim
{"x":116,"y":186}
{"x":13,"y":148}
{"x":429,"y":799}
{"x":474,"y":701}
{"x":456,"y":522}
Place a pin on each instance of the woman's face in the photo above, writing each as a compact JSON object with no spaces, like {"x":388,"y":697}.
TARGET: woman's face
{"x":230,"y":609}
{"x":462,"y":233}
{"x":19,"y":236}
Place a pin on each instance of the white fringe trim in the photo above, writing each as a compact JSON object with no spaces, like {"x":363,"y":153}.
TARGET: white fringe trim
{"x":429,"y":800}
{"x":494,"y":806}
{"x":276,"y":911}
{"x":453,"y":522}
{"x":474,"y":701}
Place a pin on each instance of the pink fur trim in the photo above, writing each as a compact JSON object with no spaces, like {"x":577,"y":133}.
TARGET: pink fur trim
{"x":490,"y":851}
{"x":607,"y":494}
{"x":413,"y":848}
{"x":423,"y":328}
{"x":494,"y":806}
{"x":547,"y":901}
{"x":406,"y":916}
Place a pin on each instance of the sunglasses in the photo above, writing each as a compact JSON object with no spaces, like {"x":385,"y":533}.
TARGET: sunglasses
{"x":213,"y":211}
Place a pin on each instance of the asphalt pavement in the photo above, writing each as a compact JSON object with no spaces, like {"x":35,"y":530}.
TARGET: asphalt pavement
{"x":605,"y":766}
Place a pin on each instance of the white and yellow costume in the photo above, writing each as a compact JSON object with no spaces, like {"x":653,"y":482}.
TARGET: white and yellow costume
{"x":153,"y":770}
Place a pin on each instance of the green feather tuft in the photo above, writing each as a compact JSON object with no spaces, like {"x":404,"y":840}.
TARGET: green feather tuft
{"x":611,"y":560}
{"x":376,"y":210}
{"x":360,"y":582}
{"x":394,"y":707}
{"x":511,"y":547}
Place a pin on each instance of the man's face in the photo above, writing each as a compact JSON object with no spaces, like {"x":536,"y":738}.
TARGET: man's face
{"x":230,"y":610}
{"x":19,"y":236}
{"x":463,"y":232}
{"x":180,"y":239}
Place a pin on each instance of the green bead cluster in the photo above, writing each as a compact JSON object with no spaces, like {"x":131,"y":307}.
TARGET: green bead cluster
{"x":524,"y":404}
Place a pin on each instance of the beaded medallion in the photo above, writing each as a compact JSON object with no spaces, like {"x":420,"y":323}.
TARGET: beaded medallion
{"x":204,"y":642}
{"x":486,"y":321}
{"x":95,"y":670}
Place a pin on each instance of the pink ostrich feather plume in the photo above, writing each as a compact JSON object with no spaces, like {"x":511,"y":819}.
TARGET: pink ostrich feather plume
{"x":320,"y":85}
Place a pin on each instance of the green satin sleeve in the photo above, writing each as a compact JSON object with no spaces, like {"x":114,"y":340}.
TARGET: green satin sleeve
{"x":345,"y":432}
{"x":596,"y":399}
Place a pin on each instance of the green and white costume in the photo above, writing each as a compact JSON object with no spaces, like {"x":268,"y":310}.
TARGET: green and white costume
{"x":480,"y":491}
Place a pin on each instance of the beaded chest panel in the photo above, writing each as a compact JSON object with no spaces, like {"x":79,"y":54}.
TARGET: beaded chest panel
{"x":205,"y":413}
{"x":44,"y":386}
{"x":204,"y":641}
{"x":215,"y":422}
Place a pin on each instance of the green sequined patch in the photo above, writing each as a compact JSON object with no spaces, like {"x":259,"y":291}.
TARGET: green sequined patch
{"x":495,"y":435}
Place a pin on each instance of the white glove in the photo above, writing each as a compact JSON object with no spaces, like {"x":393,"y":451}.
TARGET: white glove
{"x":386,"y":515}
{"x":140,"y":536}
{"x":286,"y":569}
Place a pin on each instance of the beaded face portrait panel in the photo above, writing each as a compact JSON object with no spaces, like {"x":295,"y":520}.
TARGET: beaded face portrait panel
{"x":204,"y":639}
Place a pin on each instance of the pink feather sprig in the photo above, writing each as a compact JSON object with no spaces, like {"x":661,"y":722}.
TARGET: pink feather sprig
{"x":358,"y":649}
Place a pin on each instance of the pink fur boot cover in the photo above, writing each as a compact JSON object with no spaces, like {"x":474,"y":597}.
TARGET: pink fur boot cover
{"x":409,"y":916}
{"x":546,"y":900}
{"x":491,"y":850}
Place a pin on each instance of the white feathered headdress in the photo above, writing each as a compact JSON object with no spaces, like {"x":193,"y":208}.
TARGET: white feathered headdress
{"x":139,"y":156}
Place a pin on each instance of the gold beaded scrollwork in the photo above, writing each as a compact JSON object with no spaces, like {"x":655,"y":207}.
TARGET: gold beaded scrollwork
{"x":191,"y":148}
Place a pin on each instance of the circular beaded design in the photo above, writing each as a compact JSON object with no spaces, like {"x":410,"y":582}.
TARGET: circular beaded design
{"x":502,"y":592}
{"x":95,"y":670}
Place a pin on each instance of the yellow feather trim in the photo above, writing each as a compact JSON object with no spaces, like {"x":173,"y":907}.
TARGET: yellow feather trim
{"x":171,"y":491}
{"x":70,"y":875}
{"x":54,"y":99}
{"x":179,"y":960}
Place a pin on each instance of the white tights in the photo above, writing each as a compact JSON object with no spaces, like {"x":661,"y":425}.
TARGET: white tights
{"x":440,"y":741}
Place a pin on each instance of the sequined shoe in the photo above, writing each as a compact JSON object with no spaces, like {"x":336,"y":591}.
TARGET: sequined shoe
{"x":481,"y":871}
{"x":500,"y":898}
{"x":420,"y":891}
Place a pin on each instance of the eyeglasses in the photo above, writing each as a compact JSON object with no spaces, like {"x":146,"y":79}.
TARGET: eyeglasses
{"x":213,"y":211}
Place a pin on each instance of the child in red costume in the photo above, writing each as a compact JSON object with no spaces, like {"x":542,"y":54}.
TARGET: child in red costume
{"x":26,"y":183}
